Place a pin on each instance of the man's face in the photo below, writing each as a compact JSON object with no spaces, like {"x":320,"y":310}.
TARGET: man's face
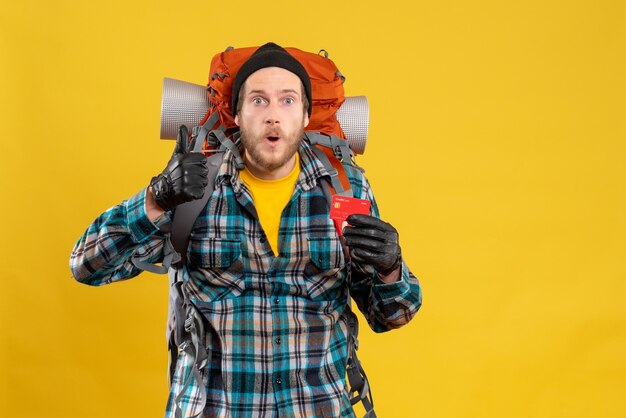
{"x":272,"y":121}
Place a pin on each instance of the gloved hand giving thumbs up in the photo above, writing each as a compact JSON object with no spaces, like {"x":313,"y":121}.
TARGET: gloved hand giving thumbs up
{"x":185,"y":176}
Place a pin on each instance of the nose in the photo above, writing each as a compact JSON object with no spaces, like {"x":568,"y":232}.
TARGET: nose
{"x":271,"y":116}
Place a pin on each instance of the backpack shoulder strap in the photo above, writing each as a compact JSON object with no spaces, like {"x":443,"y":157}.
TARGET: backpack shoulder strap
{"x":185,"y":328}
{"x":187,"y":213}
{"x":359,"y":389}
{"x":333,"y":152}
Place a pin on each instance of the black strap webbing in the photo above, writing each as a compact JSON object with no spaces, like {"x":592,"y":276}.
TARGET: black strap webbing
{"x":358,"y":386}
{"x":187,"y":213}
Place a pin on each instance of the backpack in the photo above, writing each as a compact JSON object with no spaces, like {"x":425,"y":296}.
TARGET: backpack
{"x":217,"y":132}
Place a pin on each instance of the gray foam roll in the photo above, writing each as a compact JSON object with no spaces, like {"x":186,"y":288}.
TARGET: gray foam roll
{"x":354,"y":116}
{"x":184,"y":103}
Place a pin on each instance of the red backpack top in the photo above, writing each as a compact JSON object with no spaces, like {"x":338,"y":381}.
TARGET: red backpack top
{"x":326,"y":87}
{"x":326,"y":90}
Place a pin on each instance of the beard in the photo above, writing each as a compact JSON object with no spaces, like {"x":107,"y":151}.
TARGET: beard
{"x":273,"y":158}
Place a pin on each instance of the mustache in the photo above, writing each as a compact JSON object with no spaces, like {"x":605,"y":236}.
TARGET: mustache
{"x":275,"y":131}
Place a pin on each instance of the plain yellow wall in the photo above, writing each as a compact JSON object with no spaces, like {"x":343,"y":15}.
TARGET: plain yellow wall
{"x":497,"y":148}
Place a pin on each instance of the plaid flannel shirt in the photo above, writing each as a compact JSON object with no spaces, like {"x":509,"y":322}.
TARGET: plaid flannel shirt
{"x":276,"y":324}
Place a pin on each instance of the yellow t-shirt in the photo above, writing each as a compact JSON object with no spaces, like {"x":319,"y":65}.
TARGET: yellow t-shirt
{"x":270,"y":198}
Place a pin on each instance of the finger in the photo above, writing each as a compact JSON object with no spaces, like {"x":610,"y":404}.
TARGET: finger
{"x":369,"y":257}
{"x":362,"y":242}
{"x":369,"y":221}
{"x":196,"y":172}
{"x":353,"y":231}
{"x":355,"y":257}
{"x":194,"y":162}
{"x":196,"y":192}
{"x":182,"y":140}
{"x":196,"y":179}
{"x":195,"y":158}
{"x":190,"y":174}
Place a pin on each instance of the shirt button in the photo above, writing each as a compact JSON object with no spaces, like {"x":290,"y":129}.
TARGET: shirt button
{"x":277,"y":340}
{"x":279,"y":380}
{"x":276,"y":301}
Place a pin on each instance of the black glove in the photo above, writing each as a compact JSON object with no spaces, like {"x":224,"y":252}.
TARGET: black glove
{"x":185,"y":176}
{"x":372,"y":241}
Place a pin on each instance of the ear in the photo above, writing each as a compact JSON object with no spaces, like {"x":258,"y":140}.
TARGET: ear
{"x":237,"y":119}
{"x":306,"y":119}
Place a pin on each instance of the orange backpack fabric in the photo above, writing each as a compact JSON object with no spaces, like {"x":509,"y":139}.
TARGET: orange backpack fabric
{"x":326,"y":88}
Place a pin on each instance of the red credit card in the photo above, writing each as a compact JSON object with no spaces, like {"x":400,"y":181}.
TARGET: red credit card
{"x":341,"y":207}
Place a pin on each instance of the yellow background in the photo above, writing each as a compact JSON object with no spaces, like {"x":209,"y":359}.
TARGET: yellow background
{"x":496,"y":148}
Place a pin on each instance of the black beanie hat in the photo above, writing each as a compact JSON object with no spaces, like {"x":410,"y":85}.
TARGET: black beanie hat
{"x":271,"y":55}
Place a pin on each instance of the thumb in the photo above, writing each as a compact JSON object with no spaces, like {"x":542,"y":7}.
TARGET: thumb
{"x":182,"y":141}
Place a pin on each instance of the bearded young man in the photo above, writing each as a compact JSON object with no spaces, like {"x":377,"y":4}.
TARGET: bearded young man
{"x":265,"y":265}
